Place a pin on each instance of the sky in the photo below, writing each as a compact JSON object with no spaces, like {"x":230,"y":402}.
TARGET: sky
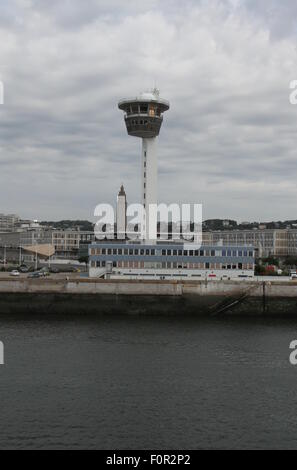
{"x":228,"y":140}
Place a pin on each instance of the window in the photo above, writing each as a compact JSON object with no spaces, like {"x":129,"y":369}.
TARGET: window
{"x":120,"y":251}
{"x":196,"y":252}
{"x":191,"y":252}
{"x":147,"y":252}
{"x":240,"y":253}
{"x":109,"y":251}
{"x":168,"y":252}
{"x":229,"y":253}
{"x":185,"y":252}
{"x":174,"y":252}
{"x":136,"y":252}
{"x":142,"y":252}
{"x":206,"y":265}
{"x":153,"y":252}
{"x":143,"y":109}
{"x":130,"y":252}
{"x":245,"y":253}
{"x":234,"y":253}
{"x":103,"y":251}
{"x":152,"y":110}
{"x":224,"y":253}
{"x":213,"y":253}
{"x":164,"y":252}
{"x":201,"y":252}
{"x":114,"y":251}
{"x":125,"y":251}
{"x":180,"y":252}
{"x":251,"y":253}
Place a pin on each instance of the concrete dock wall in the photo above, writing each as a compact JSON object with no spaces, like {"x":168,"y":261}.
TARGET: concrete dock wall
{"x":146,"y":287}
{"x":126,"y":296}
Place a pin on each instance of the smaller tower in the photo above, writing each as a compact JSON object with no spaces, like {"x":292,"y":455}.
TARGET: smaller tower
{"x":121,"y":214}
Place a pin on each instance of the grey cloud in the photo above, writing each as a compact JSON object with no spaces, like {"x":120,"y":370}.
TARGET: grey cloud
{"x":229,"y":135}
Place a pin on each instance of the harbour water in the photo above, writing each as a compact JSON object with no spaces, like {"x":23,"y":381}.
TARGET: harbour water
{"x":147,"y":382}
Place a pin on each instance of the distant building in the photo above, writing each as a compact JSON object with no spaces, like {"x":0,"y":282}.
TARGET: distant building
{"x":268,"y":242}
{"x":121,"y":214}
{"x":67,"y":244}
{"x":8,"y":222}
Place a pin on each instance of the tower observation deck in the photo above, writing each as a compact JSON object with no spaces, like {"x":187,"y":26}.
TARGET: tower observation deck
{"x":143,"y":118}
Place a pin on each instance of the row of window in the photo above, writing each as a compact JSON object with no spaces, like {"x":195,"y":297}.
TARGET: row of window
{"x":154,"y":252}
{"x":152,"y":110}
{"x":171,"y":265}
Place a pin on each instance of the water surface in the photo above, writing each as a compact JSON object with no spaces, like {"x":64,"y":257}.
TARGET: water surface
{"x":136,"y":382}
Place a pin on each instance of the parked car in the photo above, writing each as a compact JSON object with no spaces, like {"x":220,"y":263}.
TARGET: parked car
{"x":14,"y":273}
{"x":34,"y":275}
{"x":293,"y":275}
{"x":54,"y":270}
{"x":23,"y":269}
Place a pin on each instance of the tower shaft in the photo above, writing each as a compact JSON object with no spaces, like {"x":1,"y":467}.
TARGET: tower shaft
{"x":149,"y":178}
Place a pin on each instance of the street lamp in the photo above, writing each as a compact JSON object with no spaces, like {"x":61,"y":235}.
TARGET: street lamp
{"x":20,"y":255}
{"x":36,"y":259}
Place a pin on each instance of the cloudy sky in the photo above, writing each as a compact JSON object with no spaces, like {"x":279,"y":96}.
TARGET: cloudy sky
{"x":228,"y":141}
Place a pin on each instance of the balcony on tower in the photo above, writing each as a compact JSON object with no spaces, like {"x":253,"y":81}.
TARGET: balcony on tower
{"x":143,"y":114}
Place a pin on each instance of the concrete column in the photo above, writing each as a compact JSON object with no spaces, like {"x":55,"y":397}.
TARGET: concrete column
{"x":149,"y":178}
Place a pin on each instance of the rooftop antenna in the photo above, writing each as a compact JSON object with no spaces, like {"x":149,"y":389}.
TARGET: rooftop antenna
{"x":156,"y":92}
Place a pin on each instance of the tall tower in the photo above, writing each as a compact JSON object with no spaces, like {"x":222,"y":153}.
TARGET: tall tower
{"x":121,"y":214}
{"x":143,"y":118}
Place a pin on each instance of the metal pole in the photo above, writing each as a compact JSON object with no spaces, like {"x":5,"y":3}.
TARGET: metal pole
{"x":36,"y":260}
{"x":20,"y":258}
{"x":4,"y":255}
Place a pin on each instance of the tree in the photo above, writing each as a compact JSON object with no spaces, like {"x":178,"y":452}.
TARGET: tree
{"x":84,"y":259}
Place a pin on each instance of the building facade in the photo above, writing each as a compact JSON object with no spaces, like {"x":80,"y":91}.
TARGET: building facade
{"x":8,"y":222}
{"x":66,"y":243}
{"x":169,"y":261}
{"x":268,"y":242}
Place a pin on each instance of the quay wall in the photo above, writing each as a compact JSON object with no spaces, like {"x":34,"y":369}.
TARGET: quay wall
{"x":83,"y":295}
